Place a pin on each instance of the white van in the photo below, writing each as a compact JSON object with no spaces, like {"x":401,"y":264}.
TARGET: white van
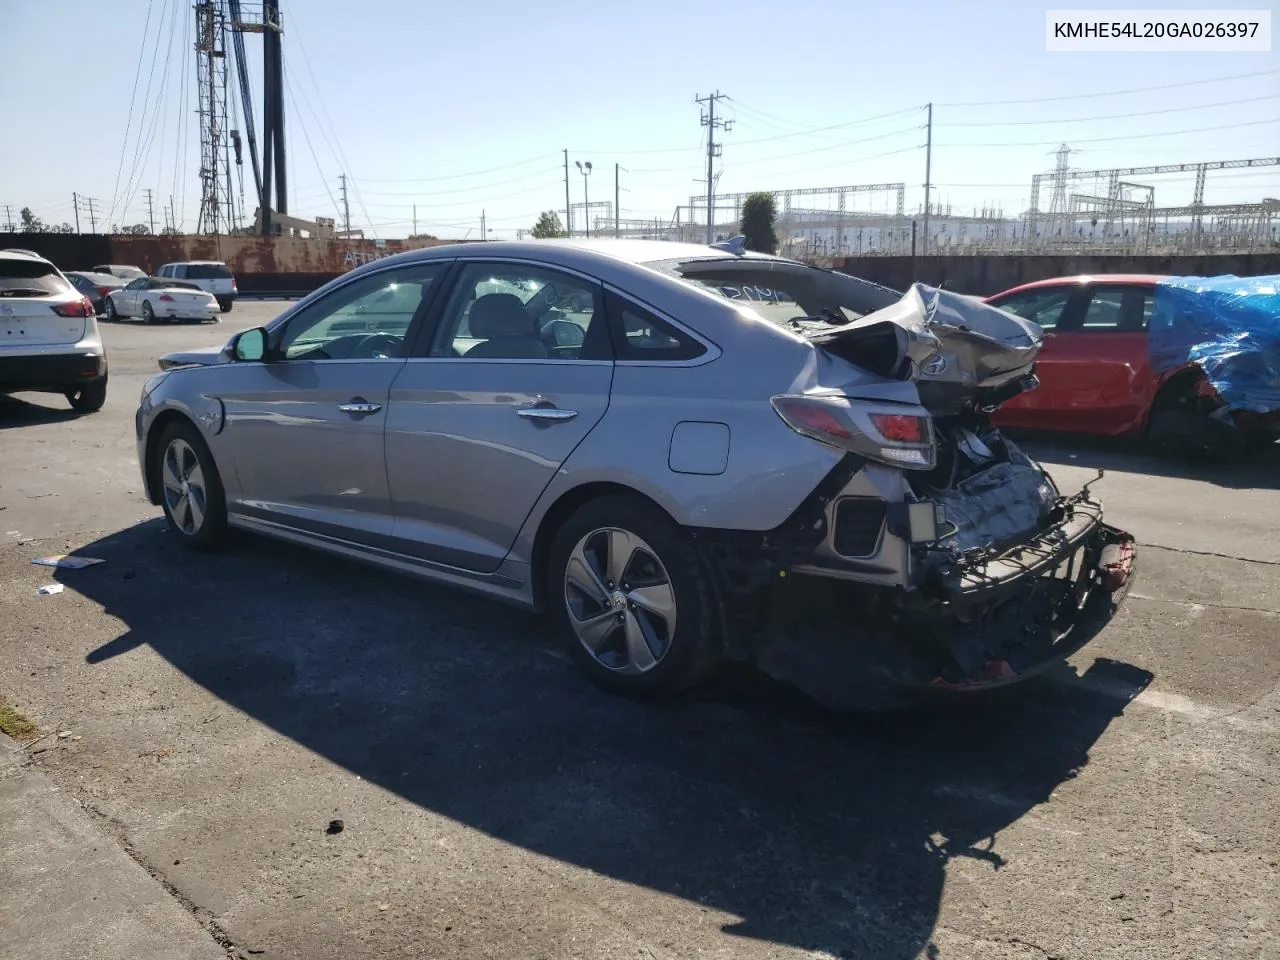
{"x":211,"y":276}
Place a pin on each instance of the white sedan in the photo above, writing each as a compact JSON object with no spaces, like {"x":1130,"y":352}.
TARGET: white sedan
{"x":156,"y":298}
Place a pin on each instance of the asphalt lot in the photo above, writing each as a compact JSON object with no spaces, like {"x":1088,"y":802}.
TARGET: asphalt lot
{"x":495,"y":805}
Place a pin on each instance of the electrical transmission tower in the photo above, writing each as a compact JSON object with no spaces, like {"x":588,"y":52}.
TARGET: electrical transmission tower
{"x":714,"y":150}
{"x":1058,"y":199}
{"x":211,"y":86}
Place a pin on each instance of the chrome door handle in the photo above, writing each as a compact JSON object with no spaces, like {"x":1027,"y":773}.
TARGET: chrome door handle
{"x":546,"y":413}
{"x":360,"y":407}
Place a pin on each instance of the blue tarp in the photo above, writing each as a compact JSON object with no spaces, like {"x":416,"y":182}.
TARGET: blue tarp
{"x":1230,"y":327}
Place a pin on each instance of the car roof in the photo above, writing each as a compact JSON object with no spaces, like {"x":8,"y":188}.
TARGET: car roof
{"x":1131,"y":279}
{"x":23,"y":254}
{"x":582,"y":253}
{"x":202,"y":263}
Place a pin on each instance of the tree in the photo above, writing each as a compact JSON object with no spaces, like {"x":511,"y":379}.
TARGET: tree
{"x":759,"y":211}
{"x":30,"y":222}
{"x":548,"y":225}
{"x":63,"y":228}
{"x":138,"y":230}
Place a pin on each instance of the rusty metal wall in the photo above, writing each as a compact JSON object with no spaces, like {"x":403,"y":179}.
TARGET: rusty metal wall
{"x":251,"y":255}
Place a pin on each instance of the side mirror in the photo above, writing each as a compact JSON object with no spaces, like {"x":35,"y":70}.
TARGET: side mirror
{"x":251,"y":345}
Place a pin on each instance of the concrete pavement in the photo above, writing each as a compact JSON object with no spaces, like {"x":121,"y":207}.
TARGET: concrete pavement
{"x":70,"y":891}
{"x":496,"y":806}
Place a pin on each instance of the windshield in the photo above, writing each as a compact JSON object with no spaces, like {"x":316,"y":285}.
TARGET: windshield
{"x":792,"y":295}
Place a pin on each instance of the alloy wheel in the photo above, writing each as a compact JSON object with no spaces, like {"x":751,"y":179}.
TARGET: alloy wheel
{"x":184,"y":486}
{"x":621,"y":603}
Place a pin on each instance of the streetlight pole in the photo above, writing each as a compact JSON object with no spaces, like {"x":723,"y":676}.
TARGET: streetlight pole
{"x":585,"y":170}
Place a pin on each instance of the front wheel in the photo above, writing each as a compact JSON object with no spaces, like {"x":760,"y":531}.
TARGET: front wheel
{"x":637,"y":612}
{"x":148,"y":312}
{"x":194,"y":503}
{"x":88,"y":398}
{"x":112,"y":315}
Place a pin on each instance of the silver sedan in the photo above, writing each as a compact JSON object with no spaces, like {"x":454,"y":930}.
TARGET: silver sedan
{"x":681,"y":453}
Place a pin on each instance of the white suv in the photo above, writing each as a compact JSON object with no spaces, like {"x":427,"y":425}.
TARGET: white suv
{"x":49,"y":339}
{"x":211,"y":276}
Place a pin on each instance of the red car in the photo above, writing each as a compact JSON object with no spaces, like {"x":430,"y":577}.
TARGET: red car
{"x":1096,"y":375}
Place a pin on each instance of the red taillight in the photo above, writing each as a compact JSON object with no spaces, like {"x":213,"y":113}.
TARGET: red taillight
{"x":903,"y":429}
{"x":103,"y":291}
{"x":77,"y":308}
{"x":234,"y":288}
{"x":165,"y":298}
{"x":819,"y":419}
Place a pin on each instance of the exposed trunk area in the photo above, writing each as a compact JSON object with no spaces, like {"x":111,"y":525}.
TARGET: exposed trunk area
{"x":992,"y":493}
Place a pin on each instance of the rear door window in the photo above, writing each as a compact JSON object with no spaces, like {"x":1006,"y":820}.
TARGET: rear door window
{"x":1117,"y":309}
{"x":30,"y":278}
{"x":640,"y":335}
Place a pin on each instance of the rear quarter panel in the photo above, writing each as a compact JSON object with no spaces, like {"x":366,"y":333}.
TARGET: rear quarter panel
{"x":770,"y":468}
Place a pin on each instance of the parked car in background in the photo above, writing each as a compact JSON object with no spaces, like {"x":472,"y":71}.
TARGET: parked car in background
{"x":95,"y":286}
{"x":49,"y":339}
{"x":156,"y":298}
{"x":211,"y":275}
{"x":125,"y":273}
{"x":1096,"y":374}
{"x":679,"y":452}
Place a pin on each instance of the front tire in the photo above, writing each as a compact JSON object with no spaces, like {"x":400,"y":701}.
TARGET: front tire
{"x":638,"y":613}
{"x":191,"y":493}
{"x":88,"y":398}
{"x":112,"y":315}
{"x":148,"y":312}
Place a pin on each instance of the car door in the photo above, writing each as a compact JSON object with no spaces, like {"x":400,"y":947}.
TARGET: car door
{"x":1047,"y":307}
{"x":306,"y":424}
{"x":128,"y":301}
{"x":515,"y":376}
{"x":1099,"y":362}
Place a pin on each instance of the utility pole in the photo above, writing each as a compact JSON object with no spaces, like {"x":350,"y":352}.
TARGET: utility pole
{"x":415,"y":219}
{"x":151,"y":212}
{"x":93,"y":217}
{"x":75,"y":203}
{"x":713,"y":150}
{"x":585,"y":170}
{"x":617,"y":201}
{"x":484,"y":233}
{"x":568,"y":209}
{"x":8,"y":216}
{"x":173,"y":215}
{"x":928,"y":181}
{"x":346,"y":208}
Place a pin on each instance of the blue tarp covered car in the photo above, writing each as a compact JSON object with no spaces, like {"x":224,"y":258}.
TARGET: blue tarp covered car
{"x":1229,"y":328}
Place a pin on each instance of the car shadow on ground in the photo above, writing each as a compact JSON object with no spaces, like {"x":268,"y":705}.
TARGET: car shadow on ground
{"x":1259,"y":469}
{"x":820,"y":831}
{"x":52,"y":408}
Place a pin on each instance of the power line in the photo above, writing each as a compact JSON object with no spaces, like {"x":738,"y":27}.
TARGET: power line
{"x":459,"y":176}
{"x":1132,"y":136}
{"x":834,"y":146}
{"x":1113,"y":116}
{"x":834,"y":126}
{"x":1110,"y":93}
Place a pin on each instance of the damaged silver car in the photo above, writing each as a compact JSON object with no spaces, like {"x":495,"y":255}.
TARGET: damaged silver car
{"x":680,"y":453}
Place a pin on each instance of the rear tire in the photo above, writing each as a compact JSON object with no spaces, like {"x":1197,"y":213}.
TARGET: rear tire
{"x":225,"y":306}
{"x":637,"y":611}
{"x":190,"y":487}
{"x":88,"y":398}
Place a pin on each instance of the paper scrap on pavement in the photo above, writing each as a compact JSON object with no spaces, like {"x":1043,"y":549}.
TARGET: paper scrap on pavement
{"x":67,"y":563}
{"x":49,"y":589}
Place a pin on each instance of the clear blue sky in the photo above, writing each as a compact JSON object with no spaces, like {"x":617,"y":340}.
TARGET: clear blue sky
{"x":414,"y":101}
